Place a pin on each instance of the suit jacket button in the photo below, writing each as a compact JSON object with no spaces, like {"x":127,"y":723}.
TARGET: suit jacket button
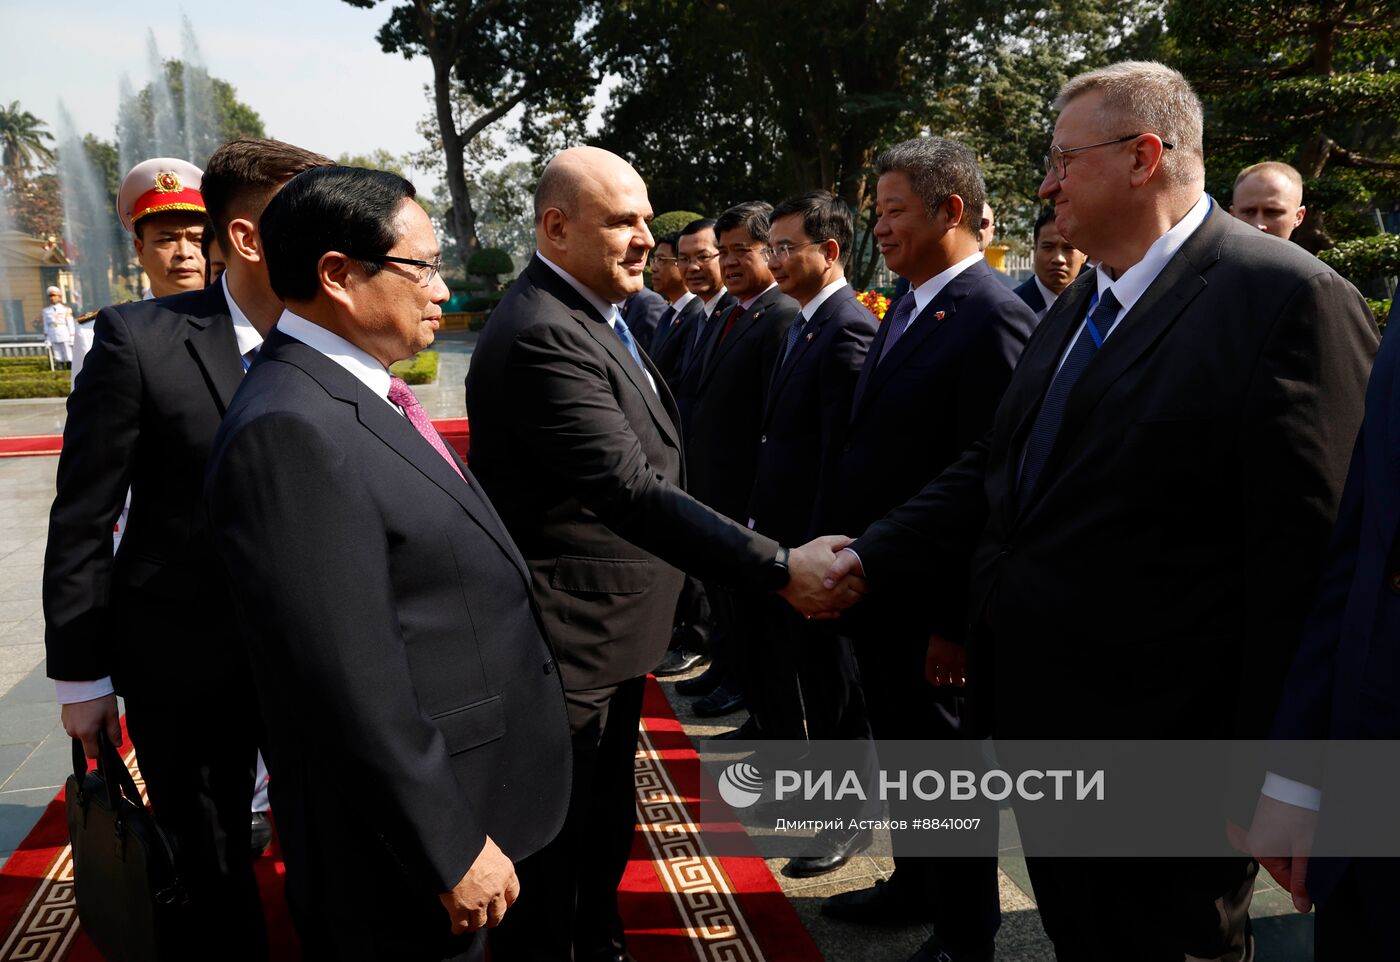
{"x":763,"y":439}
{"x":1005,"y":550}
{"x":549,"y":667}
{"x":1395,"y":581}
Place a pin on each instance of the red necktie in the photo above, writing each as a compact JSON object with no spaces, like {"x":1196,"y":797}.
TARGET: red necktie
{"x":402,"y":395}
{"x":729,"y":322}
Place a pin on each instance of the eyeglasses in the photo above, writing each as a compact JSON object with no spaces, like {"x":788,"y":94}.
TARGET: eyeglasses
{"x":1055,"y":162}
{"x":781,"y":252}
{"x":739,"y":250}
{"x":664,"y":259}
{"x":427,"y":270}
{"x":699,"y":259}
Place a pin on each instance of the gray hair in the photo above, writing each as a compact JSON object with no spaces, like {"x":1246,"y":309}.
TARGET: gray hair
{"x":1149,"y":98}
{"x":937,"y":169}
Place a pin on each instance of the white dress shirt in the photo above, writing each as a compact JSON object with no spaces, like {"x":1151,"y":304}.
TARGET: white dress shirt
{"x":680,"y":302}
{"x":1047,"y":295}
{"x":611,"y":313}
{"x":931,"y":288}
{"x":365,"y":368}
{"x":811,"y":306}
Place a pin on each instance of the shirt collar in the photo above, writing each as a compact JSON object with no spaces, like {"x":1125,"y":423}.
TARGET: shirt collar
{"x":750,"y":302}
{"x":364,"y":367}
{"x":713,"y":302}
{"x":1135,"y":281}
{"x":931,"y":288}
{"x":243,"y":330}
{"x":680,"y":302}
{"x":811,"y":306}
{"x":605,"y":309}
{"x":1046,"y":294}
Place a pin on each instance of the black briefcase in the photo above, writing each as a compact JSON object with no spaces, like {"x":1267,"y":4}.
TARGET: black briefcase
{"x":130,"y":900}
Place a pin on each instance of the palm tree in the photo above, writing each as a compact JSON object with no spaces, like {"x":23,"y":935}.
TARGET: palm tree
{"x":22,"y":147}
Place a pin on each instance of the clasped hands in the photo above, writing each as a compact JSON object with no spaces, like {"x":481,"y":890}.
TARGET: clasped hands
{"x":823,"y":580}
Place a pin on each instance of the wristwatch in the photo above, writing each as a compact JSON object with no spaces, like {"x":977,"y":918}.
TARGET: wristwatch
{"x":779,"y":568}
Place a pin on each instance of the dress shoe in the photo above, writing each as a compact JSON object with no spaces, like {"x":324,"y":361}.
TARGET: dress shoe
{"x":837,"y":848}
{"x":879,"y":905}
{"x":721,"y":701}
{"x":748,"y":731}
{"x":262,"y":833}
{"x":678,"y":661}
{"x":935,"y":951}
{"x":703,"y":683}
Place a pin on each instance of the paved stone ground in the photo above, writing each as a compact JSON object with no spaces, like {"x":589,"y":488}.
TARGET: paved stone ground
{"x":34,"y":752}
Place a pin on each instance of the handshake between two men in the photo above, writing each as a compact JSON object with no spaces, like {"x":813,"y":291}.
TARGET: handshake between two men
{"x":823,"y":579}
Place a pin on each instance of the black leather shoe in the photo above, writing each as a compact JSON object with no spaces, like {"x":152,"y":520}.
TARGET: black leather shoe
{"x":702,"y":684}
{"x":748,"y":731}
{"x":935,"y":951}
{"x":678,"y":661}
{"x":878,"y":905}
{"x":721,"y":701}
{"x":262,"y":834}
{"x":837,"y":848}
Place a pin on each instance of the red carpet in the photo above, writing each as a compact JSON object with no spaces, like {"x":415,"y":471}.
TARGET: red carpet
{"x":679,"y":902}
{"x":453,"y":430}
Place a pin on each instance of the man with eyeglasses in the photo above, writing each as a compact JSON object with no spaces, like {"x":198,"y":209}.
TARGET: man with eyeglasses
{"x":668,"y":280}
{"x":1148,"y":517}
{"x":928,"y":389}
{"x":155,"y":622}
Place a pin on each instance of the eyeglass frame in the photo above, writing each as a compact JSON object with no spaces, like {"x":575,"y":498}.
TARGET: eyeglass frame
{"x":665,"y":258}
{"x":434,"y":267}
{"x":775,"y":254}
{"x":1063,"y":165}
{"x":685,"y":260}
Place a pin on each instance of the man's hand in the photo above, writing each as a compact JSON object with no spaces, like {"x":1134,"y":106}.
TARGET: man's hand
{"x":489,"y":888}
{"x":945,"y":663}
{"x":1281,"y":838}
{"x":807,"y":566}
{"x":84,"y":719}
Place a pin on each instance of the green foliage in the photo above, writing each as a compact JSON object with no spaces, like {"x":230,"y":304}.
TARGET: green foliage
{"x":219,"y":116}
{"x":378,"y":159}
{"x":22,"y":144}
{"x":671,"y":221}
{"x":490,"y":262}
{"x":44,"y":384}
{"x":422,"y":368}
{"x":23,"y":365}
{"x":1366,"y":258}
{"x":1382,"y":311}
{"x":482,"y":302}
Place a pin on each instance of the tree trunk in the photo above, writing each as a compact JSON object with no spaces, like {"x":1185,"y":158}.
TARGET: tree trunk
{"x":461,"y":218}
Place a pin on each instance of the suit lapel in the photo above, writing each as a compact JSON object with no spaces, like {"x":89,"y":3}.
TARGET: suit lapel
{"x":744,"y":323}
{"x":215,"y":348}
{"x":1037,"y":368}
{"x":811,"y":331}
{"x":709,"y":334}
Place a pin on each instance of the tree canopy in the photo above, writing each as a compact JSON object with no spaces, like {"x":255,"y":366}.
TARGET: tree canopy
{"x":24,"y":144}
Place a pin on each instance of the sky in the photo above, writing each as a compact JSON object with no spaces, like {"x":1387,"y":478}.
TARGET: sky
{"x":311,"y":68}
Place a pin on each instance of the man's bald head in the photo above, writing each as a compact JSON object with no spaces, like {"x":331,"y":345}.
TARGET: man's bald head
{"x":591,"y":214}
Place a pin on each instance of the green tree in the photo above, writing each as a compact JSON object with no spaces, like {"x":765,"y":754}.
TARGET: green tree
{"x":378,"y":159}
{"x":489,"y":57}
{"x":490,"y":263}
{"x":22,"y":144}
{"x":188,"y":116}
{"x":1312,"y":83}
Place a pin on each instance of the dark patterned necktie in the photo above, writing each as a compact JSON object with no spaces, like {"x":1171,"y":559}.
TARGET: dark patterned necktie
{"x":1052,"y":409}
{"x":898,"y":322}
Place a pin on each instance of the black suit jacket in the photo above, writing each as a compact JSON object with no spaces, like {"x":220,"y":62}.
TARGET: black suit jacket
{"x":142,"y":416}
{"x":915,"y":412}
{"x":1029,"y":292}
{"x":701,"y":331}
{"x":805,"y":415}
{"x":401,"y":665}
{"x":583,"y":460}
{"x":642,"y":312}
{"x":1154,"y":582}
{"x":731,"y":388}
{"x":667,"y":348}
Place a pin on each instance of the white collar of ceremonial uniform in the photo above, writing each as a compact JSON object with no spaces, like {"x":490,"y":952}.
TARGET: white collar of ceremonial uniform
{"x":811,"y":306}
{"x":1134,"y":282}
{"x":365,"y":368}
{"x":931,"y":288}
{"x":605,"y":310}
{"x":243,"y":330}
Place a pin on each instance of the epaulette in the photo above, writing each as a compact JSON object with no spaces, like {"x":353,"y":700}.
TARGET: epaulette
{"x":91,"y":314}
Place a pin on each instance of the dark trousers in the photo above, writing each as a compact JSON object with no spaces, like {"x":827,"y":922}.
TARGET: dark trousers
{"x":693,"y":622}
{"x":568,"y":890}
{"x":958,"y":895}
{"x":197,"y":758}
{"x":1355,"y":920}
{"x":1147,"y":910}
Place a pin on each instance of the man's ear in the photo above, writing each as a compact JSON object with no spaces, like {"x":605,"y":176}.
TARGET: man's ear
{"x":554,"y":225}
{"x":333,"y":274}
{"x":243,"y":240}
{"x":136,"y":243}
{"x":1147,"y":159}
{"x":1298,"y":218}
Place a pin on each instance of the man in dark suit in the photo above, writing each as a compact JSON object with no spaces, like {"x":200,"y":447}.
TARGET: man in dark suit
{"x":397,"y":653}
{"x":1056,"y":264}
{"x":729,"y":382}
{"x":153,"y":622}
{"x":574,"y":437}
{"x":929,"y":388}
{"x":1146,"y":519}
{"x":643,"y":311}
{"x":699,"y":256}
{"x":668,"y":280}
{"x":1340,"y":688}
{"x":801,"y":680}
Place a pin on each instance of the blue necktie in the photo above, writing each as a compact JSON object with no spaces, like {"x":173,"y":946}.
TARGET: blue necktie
{"x":794,"y":332}
{"x":1052,"y":409}
{"x":625,"y":336}
{"x":898,"y":322}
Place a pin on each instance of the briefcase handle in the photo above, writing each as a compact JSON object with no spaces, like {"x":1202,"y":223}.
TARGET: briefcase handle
{"x":115,"y":775}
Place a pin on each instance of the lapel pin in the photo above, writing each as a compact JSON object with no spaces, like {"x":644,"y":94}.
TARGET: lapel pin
{"x":939,"y":315}
{"x":809,"y":337}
